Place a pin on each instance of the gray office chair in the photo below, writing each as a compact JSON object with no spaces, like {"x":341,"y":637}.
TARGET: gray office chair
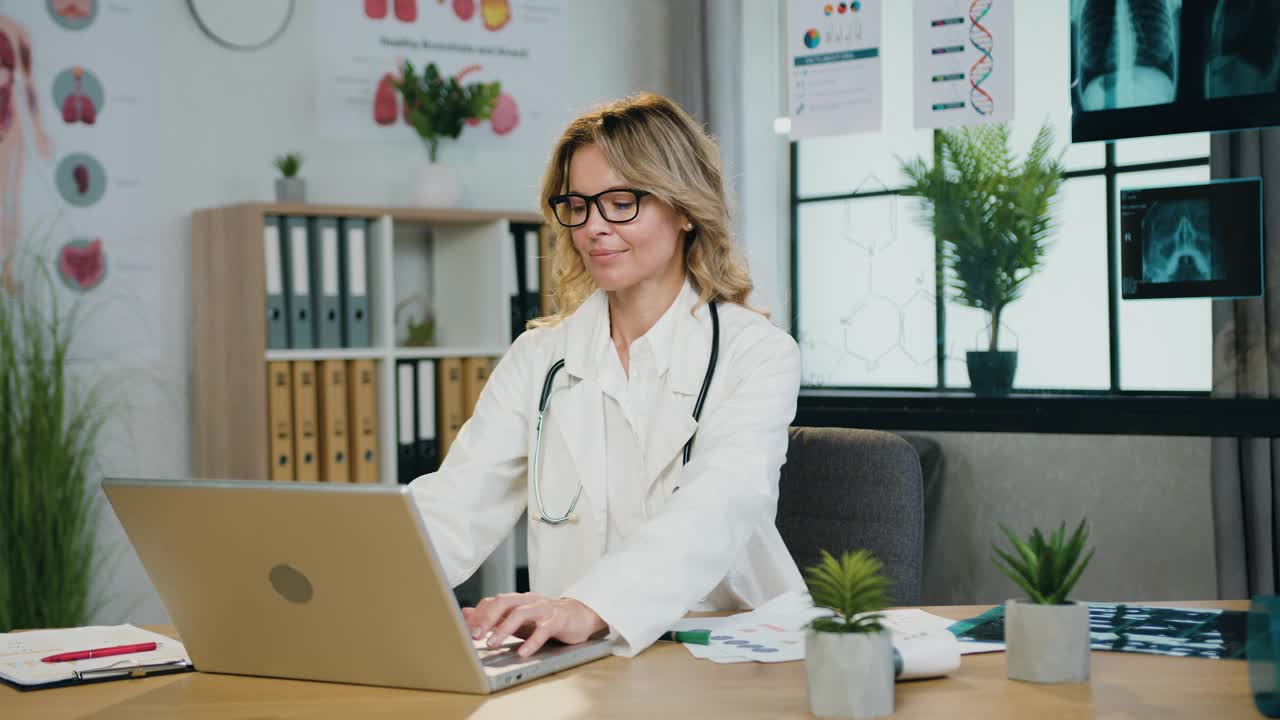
{"x":844,"y":489}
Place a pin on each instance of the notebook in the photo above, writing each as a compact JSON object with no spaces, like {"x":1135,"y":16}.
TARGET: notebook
{"x":21,"y":654}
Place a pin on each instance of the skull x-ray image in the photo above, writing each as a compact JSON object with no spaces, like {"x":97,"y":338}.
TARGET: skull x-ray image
{"x":1176,"y":244}
{"x":1126,"y":52}
{"x":1191,"y":240}
{"x":1243,"y":51}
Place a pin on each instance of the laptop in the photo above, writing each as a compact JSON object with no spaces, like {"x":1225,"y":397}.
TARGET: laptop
{"x":315,"y":582}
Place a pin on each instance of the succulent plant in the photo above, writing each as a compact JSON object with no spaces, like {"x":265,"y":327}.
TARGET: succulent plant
{"x":1045,"y":568}
{"x":852,"y":587}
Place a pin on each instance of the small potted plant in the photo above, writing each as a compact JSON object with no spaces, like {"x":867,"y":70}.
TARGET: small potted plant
{"x":289,"y":187}
{"x":438,"y":108}
{"x":992,"y":216}
{"x":848,"y":657}
{"x":1046,"y":636}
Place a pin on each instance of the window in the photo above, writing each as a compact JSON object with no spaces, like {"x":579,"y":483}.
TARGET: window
{"x":865,"y":296}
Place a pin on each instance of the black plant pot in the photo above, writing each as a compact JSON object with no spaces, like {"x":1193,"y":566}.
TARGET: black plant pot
{"x":991,"y":373}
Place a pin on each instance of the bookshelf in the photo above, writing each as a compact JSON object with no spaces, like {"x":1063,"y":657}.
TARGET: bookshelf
{"x":460,"y":263}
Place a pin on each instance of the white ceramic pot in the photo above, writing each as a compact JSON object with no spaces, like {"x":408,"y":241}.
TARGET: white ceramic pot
{"x":849,"y":675}
{"x":291,"y":190}
{"x":437,"y":186}
{"x":1046,"y":643}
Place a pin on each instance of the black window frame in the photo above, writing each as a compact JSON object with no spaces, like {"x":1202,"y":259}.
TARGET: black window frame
{"x":1111,"y":411}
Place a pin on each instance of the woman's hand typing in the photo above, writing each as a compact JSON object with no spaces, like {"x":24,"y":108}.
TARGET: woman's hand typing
{"x":535,"y":618}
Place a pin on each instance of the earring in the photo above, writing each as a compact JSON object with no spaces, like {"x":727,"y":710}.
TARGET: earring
{"x":688,"y":226}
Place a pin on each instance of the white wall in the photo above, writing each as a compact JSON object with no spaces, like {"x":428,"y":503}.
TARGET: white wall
{"x":224,"y":116}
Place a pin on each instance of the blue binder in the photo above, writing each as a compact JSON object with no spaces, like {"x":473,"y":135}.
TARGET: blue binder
{"x":326,"y":289}
{"x":298,"y":260}
{"x":355,"y":283}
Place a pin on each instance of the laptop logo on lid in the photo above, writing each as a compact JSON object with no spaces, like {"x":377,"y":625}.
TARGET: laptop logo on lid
{"x":291,"y":584}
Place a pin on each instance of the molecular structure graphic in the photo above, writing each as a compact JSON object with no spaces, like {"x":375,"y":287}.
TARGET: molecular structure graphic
{"x":885,"y":324}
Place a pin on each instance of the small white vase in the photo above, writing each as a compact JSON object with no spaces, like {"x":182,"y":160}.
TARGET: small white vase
{"x":1046,"y":643}
{"x":849,"y":675}
{"x":437,"y":185}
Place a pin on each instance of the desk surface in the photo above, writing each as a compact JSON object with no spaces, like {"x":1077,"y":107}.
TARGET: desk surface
{"x":665,"y":681}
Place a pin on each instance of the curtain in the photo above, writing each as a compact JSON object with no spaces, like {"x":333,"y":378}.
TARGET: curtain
{"x":708,"y":78}
{"x":1245,"y":472}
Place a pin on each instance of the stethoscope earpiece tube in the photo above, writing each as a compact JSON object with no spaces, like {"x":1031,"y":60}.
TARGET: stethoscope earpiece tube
{"x":706,"y":380}
{"x":545,"y":398}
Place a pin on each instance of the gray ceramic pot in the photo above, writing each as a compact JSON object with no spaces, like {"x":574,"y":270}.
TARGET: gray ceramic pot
{"x":1046,"y":643}
{"x":291,"y":190}
{"x":849,"y":675}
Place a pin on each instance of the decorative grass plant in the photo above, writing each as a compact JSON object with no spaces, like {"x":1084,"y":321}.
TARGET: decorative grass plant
{"x":48,"y":433}
{"x":852,"y":587}
{"x":1045,"y":568}
{"x":288,"y":164}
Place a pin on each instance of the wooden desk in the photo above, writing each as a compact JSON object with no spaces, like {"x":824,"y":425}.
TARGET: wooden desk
{"x":665,"y":681}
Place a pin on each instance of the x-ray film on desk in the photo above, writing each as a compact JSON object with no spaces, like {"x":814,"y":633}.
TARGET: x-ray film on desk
{"x":1192,"y":240}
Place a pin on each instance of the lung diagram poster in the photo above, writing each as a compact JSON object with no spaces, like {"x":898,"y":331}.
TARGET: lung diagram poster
{"x":362,"y":46}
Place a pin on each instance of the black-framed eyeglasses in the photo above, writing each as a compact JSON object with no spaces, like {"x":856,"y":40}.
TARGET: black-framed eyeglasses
{"x":617,"y":206}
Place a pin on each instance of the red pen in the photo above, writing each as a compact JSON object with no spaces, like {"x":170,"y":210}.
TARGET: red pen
{"x":100,"y":652}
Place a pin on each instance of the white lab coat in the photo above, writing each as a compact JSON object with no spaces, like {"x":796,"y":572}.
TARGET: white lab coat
{"x":712,"y":544}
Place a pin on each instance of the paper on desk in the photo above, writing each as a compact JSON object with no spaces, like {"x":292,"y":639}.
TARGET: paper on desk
{"x":21,"y":653}
{"x":774,"y":632}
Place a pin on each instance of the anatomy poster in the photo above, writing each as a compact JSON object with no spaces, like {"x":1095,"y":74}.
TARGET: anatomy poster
{"x":77,"y":157}
{"x":833,"y":57}
{"x":362,"y":45}
{"x":963,"y":62}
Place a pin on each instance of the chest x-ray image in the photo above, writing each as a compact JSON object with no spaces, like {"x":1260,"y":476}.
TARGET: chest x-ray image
{"x":1243,"y":51}
{"x":1176,"y":244}
{"x":1192,"y":240}
{"x":1126,"y":52}
{"x":1156,"y":67}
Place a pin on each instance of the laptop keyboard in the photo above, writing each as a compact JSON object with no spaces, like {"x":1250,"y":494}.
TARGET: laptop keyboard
{"x":504,"y":657}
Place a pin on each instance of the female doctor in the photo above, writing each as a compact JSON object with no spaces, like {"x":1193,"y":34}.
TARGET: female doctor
{"x":643,"y":426}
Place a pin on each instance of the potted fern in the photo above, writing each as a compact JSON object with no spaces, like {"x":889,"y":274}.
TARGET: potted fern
{"x":848,"y":656}
{"x":992,"y":216}
{"x":48,"y":433}
{"x":289,"y":187}
{"x":438,"y":108}
{"x":1046,"y":636}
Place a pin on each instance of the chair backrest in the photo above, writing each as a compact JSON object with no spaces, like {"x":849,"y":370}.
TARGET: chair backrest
{"x":844,"y":489}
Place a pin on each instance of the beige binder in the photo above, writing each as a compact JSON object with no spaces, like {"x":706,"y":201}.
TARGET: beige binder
{"x":280,"y":420}
{"x":305,"y":442}
{"x":331,"y":408}
{"x":450,"y":401}
{"x":362,"y":419}
{"x":475,"y":372}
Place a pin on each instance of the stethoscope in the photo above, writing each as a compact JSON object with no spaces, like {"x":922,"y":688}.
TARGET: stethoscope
{"x":544,"y":400}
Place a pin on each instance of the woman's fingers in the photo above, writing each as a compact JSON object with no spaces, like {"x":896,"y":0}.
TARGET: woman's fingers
{"x":517,"y":618}
{"x":542,"y":632}
{"x":490,"y":611}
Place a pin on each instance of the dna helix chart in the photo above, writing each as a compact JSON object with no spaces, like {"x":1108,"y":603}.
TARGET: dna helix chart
{"x":981,"y":39}
{"x":965,"y":62}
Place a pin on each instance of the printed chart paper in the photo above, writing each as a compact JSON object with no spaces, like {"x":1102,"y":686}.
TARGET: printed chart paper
{"x":963,"y":62}
{"x":836,"y":84}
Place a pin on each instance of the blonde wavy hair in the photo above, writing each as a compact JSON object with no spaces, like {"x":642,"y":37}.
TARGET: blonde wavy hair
{"x":656,"y":146}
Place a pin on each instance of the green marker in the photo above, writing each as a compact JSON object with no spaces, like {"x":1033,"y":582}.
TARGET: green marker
{"x":693,"y":637}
